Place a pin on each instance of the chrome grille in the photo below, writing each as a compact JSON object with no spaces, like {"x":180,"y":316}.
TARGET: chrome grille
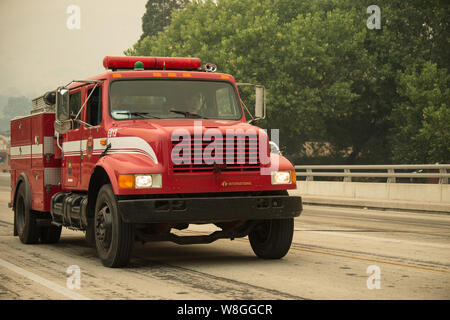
{"x":239,"y":153}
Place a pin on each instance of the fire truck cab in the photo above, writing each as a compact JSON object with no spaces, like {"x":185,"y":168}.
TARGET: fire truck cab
{"x":151,"y":145}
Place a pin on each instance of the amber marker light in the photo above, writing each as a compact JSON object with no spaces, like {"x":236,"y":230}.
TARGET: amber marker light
{"x":126,"y":181}
{"x":293,"y":177}
{"x":103,"y":142}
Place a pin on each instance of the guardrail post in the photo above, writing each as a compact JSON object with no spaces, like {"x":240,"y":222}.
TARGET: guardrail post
{"x":443,"y":180}
{"x":391,"y":179}
{"x":347,"y":178}
{"x":309,"y":177}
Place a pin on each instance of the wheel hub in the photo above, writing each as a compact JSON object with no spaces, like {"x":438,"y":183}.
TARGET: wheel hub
{"x":103,"y":226}
{"x":262,"y":231}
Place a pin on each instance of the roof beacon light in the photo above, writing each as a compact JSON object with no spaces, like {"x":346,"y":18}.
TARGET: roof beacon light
{"x":152,"y":63}
{"x":138,"y":66}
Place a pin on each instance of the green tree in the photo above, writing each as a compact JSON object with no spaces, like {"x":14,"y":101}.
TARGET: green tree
{"x":330,"y":79}
{"x":422,"y":130}
{"x":15,"y":106}
{"x":158,"y":15}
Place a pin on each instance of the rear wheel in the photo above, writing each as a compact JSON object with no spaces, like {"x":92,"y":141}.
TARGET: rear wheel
{"x":113,"y":238}
{"x":26,"y":226}
{"x":271,"y":239}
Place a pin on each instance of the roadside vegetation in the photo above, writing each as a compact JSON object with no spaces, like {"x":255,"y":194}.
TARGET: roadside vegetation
{"x":338,"y":91}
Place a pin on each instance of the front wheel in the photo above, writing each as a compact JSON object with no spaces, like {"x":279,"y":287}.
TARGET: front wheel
{"x":90,"y":233}
{"x":271,"y":239}
{"x":113,"y":237}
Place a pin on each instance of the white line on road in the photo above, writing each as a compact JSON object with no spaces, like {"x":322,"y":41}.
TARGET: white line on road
{"x":46,"y":283}
{"x":336,"y":233}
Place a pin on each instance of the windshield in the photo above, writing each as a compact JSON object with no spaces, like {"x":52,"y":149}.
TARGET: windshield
{"x":168,"y":99}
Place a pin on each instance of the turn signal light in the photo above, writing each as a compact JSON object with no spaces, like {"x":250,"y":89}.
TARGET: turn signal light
{"x":293,"y":177}
{"x":126,"y":181}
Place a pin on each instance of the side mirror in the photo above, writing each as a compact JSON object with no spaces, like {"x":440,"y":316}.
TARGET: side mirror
{"x":62,"y":122}
{"x":260,"y":102}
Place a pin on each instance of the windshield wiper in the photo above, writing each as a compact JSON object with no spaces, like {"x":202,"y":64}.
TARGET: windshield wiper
{"x":144,"y":115}
{"x":188,"y":114}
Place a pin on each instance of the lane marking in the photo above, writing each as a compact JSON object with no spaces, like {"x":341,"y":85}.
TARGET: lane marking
{"x":411,"y":219}
{"x":398,"y":264}
{"x":297,"y":247}
{"x":44,"y":282}
{"x":337,"y":233}
{"x":385,"y":229}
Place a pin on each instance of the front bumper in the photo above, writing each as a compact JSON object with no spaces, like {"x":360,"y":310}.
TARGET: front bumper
{"x":209,"y":209}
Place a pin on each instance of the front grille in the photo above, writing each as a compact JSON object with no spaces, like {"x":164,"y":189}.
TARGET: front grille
{"x":239,"y":153}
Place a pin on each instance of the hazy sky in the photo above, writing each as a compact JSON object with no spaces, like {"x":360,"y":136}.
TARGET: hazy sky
{"x":39,"y":52}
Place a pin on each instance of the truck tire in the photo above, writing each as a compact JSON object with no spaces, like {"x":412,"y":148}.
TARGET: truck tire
{"x":271,"y":239}
{"x":90,"y":233}
{"x":50,"y":234}
{"x":113,"y":238}
{"x":26,"y":226}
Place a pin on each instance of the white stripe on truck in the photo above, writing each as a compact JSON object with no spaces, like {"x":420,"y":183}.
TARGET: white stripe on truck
{"x":119,"y":145}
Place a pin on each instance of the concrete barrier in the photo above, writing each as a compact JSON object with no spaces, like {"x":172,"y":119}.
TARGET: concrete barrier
{"x":406,"y":196}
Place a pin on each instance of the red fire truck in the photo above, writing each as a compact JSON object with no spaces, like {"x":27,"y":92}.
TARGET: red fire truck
{"x":151,"y":145}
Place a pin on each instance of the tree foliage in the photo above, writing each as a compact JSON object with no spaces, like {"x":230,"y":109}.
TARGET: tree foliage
{"x":158,"y":15}
{"x":424,"y":135}
{"x":331,"y":81}
{"x":15,"y":106}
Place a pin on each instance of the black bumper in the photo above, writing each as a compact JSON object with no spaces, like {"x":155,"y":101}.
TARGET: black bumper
{"x":209,"y":210}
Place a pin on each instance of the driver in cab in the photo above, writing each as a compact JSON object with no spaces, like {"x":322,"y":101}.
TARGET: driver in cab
{"x":194,"y":103}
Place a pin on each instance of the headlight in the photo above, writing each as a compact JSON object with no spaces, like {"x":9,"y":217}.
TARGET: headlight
{"x":143,"y":181}
{"x":140,"y":181}
{"x":283,"y":177}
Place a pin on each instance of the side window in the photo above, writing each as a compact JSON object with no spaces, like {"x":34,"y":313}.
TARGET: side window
{"x":75,"y":105}
{"x":225,"y":104}
{"x":94,"y":107}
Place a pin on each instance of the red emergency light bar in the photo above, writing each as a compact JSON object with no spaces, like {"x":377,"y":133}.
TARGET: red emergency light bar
{"x":152,"y":63}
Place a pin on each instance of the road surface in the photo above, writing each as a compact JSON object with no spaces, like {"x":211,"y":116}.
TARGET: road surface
{"x":337,"y":253}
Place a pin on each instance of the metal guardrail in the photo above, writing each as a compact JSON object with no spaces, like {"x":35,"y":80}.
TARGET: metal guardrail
{"x":390,"y":171}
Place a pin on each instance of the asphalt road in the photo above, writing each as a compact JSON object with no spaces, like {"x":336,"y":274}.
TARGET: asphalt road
{"x":336,"y":254}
